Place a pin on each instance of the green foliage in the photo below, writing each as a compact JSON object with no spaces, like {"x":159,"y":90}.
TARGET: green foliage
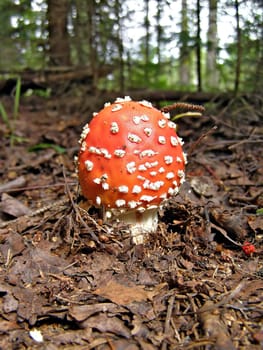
{"x":249,"y":78}
{"x":38,"y":92}
{"x":11,"y":120}
{"x":17,"y":98}
{"x":42,"y":146}
{"x":21,"y":36}
{"x":5,"y":116}
{"x":186,"y":114}
{"x":99,"y":33}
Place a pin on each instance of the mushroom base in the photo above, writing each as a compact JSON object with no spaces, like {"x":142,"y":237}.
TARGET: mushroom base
{"x":141,"y":223}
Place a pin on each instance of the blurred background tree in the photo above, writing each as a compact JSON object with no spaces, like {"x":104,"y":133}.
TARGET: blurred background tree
{"x":182,"y":45}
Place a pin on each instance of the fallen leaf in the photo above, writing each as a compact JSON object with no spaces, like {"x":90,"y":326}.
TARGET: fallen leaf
{"x":10,"y":303}
{"x":13,"y":184}
{"x":251,"y":289}
{"x":7,"y":326}
{"x":203,"y":186}
{"x":121,"y":294}
{"x":12,"y":246}
{"x":82,"y":312}
{"x":234,"y":223}
{"x":256,"y":223}
{"x":13,"y":206}
{"x":125,"y":294}
{"x":213,"y":326}
{"x":34,"y":263}
{"x":258,"y":336}
{"x":104,"y":323}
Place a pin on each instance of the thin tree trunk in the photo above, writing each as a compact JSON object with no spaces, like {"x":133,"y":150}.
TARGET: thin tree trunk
{"x":147,"y":40}
{"x":92,"y":57}
{"x":212,"y":42}
{"x":120,"y":45}
{"x":184,"y":59}
{"x":258,"y":79}
{"x":129,"y":66}
{"x":159,"y":33}
{"x":78,"y":23}
{"x":239,"y":47}
{"x":198,"y":47}
{"x":59,"y":48}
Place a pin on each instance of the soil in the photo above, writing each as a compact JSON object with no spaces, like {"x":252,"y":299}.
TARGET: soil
{"x":70,"y":281}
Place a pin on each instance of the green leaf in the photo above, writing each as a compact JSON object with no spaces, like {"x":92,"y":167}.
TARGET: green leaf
{"x":259,"y":211}
{"x":41,"y":146}
{"x":5,"y":117}
{"x":17,"y":97}
{"x":186,"y":114}
{"x":15,"y":138}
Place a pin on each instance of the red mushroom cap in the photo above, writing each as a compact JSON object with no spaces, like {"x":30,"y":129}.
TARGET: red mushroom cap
{"x":130,"y":157}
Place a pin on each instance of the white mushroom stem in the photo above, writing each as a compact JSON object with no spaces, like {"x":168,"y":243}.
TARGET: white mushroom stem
{"x":141,"y":223}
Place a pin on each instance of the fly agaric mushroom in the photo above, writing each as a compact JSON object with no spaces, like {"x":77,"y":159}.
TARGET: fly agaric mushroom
{"x":130,"y":162}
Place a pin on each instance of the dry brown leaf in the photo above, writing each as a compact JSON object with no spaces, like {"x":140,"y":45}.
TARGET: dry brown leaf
{"x":10,"y":303}
{"x":82,"y":312}
{"x":256,"y":223}
{"x":104,"y":323}
{"x":122,"y":295}
{"x":13,"y":184}
{"x":203,"y":186}
{"x":12,"y":246}
{"x":13,"y":207}
{"x":251,"y":288}
{"x":234,"y":223}
{"x":258,"y":336}
{"x":7,"y":326}
{"x":214,"y":328}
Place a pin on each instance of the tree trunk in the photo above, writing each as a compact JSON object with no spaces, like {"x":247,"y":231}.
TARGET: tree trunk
{"x":118,"y":9}
{"x":59,"y":48}
{"x":258,"y":79}
{"x":212,"y":43}
{"x":159,"y":32}
{"x":198,"y":47}
{"x":92,"y":42}
{"x":147,"y":41}
{"x":184,"y":59}
{"x":239,"y":48}
{"x":79,"y":24}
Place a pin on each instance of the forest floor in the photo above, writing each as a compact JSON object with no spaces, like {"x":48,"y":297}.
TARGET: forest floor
{"x":67,"y":281}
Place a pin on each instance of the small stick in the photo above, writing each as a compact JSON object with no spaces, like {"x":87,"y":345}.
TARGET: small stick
{"x":77,"y":211}
{"x":39,"y":187}
{"x":224,"y":233}
{"x":198,"y":141}
{"x":168,"y":319}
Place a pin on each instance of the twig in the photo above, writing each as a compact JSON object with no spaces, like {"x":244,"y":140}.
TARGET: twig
{"x":32,"y":188}
{"x":78,"y":215}
{"x":227,"y":297}
{"x":213,"y":325}
{"x":247,"y":199}
{"x":243,"y":142}
{"x":224,"y":233}
{"x":168,"y":319}
{"x":198,"y":141}
{"x":35,"y":213}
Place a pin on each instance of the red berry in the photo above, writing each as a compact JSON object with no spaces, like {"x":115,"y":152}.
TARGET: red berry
{"x":248,"y":248}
